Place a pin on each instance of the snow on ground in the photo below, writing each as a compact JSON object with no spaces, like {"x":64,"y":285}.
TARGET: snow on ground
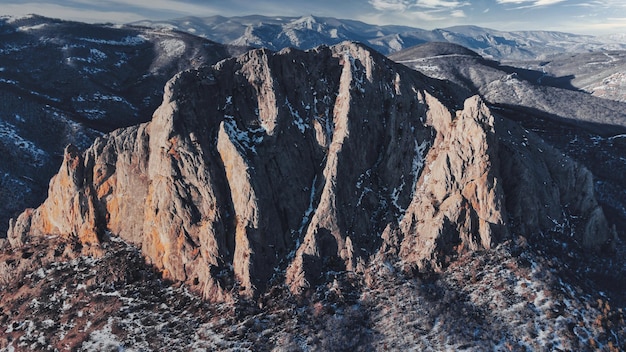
{"x":612,"y":87}
{"x":488,"y":301}
{"x":172,"y":47}
{"x":32,"y":28}
{"x":103,"y":339}
{"x":8,"y":81}
{"x":92,"y":114}
{"x":100,"y":98}
{"x":97,"y":55}
{"x":77,"y":133}
{"x":126,"y":41}
{"x":10,"y":138}
{"x":499,"y":300}
{"x":45,"y":96}
{"x":109,"y":302}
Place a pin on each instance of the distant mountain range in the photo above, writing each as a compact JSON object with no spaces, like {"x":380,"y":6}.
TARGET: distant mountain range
{"x":595,"y":64}
{"x":310,"y":31}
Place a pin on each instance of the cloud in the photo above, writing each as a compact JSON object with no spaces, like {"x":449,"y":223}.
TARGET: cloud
{"x":546,"y":2}
{"x":512,"y":1}
{"x":612,"y":3}
{"x":458,"y":14}
{"x":67,"y":12}
{"x":403,"y":5}
{"x":600,"y":4}
{"x":173,"y":6}
{"x":119,"y":11}
{"x":611,"y":25}
{"x":531,"y":3}
{"x":428,"y":16}
{"x":434,"y":4}
{"x":429,"y":13}
{"x":389,"y":5}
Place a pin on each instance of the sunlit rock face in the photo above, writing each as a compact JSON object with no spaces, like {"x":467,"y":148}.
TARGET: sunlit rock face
{"x":273,"y":168}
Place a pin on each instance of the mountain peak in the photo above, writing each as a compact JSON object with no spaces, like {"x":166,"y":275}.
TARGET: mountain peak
{"x":310,"y":19}
{"x":302,"y":163}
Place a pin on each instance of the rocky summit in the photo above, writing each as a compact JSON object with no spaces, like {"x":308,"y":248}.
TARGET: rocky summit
{"x":328,"y":199}
{"x":277,"y":167}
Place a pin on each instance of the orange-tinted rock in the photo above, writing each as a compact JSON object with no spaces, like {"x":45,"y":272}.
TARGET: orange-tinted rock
{"x":275,"y":168}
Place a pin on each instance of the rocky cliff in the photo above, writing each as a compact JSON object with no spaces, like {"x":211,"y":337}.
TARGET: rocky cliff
{"x":275,"y":168}
{"x":67,"y":82}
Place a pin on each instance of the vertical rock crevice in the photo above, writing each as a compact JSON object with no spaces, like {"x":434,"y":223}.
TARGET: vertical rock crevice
{"x":458,"y":201}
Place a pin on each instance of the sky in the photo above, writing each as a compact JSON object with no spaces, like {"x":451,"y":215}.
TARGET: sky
{"x":596,"y":17}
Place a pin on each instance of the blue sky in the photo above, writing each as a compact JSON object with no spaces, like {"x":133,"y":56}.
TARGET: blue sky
{"x":576,"y":16}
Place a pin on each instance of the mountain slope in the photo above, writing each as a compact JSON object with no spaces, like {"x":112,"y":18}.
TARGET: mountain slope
{"x":589,"y":129}
{"x":310,"y":31}
{"x":514,"y":84}
{"x":66,"y":82}
{"x":599,"y":73}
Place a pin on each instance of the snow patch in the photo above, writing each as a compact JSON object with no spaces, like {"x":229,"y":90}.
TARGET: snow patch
{"x":92,"y":114}
{"x":173,"y":47}
{"x":243,"y":139}
{"x":612,"y":87}
{"x":417,"y":165}
{"x":358,"y":75}
{"x":359,"y":185}
{"x":11,"y":139}
{"x":99,"y":97}
{"x":429,"y":68}
{"x":8,"y":81}
{"x":97,"y":55}
{"x":395,"y":197}
{"x":309,"y":210}
{"x":45,"y":96}
{"x":396,"y":44}
{"x":31,"y":28}
{"x":103,"y":339}
{"x":130,"y":41}
{"x":297,"y":119}
{"x":323,"y":118}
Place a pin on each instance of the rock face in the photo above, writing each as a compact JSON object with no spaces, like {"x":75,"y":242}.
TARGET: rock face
{"x":67,"y":82}
{"x":277,"y":167}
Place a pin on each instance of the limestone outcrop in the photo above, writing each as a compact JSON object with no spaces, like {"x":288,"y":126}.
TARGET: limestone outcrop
{"x":275,"y":168}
